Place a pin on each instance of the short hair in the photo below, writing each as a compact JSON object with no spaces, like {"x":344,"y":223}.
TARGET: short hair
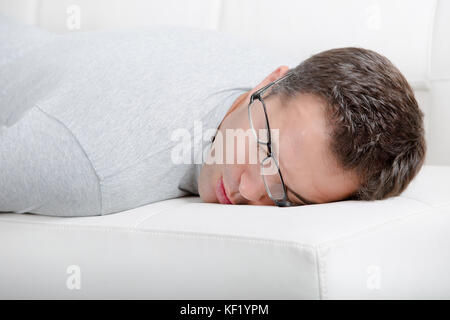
{"x":376,"y":125}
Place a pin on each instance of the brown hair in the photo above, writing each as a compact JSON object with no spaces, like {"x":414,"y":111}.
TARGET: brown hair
{"x":377,"y":126}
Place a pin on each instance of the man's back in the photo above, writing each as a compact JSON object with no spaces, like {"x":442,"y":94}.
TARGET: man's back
{"x":88,"y":118}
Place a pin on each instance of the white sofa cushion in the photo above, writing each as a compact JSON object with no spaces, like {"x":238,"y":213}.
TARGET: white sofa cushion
{"x":186,"y":249}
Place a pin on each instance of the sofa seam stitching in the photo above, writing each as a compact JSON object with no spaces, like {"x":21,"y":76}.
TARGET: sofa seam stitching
{"x":319,"y":280}
{"x":153,"y":214}
{"x":184,"y":234}
{"x":322,"y":272}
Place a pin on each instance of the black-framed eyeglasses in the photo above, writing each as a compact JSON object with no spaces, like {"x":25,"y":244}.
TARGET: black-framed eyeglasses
{"x":273,"y":182}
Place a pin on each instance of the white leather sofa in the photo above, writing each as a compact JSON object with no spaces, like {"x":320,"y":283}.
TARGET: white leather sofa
{"x":184,"y":249}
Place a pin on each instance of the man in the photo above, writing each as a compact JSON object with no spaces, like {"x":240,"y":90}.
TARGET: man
{"x":350,"y":129}
{"x":103,"y":122}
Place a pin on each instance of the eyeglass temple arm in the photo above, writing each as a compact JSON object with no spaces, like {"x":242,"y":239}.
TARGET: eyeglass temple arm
{"x":267,"y":86}
{"x":299,"y":197}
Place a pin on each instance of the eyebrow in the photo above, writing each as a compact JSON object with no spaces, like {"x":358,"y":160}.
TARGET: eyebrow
{"x":299,"y":196}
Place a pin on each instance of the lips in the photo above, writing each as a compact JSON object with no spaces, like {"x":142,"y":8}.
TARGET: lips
{"x":220,"y":192}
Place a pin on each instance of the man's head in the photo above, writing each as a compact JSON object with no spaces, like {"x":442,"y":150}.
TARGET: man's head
{"x":349,"y":128}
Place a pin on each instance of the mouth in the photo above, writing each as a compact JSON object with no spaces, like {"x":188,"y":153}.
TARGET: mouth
{"x":221,"y":193}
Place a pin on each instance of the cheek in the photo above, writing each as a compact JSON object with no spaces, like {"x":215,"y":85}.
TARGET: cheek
{"x":231,"y":172}
{"x":237,"y":120}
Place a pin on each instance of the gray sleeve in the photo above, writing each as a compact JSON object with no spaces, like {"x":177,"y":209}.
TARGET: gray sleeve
{"x":44,"y":170}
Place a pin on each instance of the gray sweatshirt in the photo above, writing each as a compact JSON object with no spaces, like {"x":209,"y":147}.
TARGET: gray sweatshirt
{"x":89,"y":120}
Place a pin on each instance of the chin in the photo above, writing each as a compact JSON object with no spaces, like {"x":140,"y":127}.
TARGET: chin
{"x":206,"y":192}
{"x":206,"y":183}
{"x":209,"y":198}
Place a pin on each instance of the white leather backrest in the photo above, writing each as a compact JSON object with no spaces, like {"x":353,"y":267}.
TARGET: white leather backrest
{"x":107,"y":14}
{"x":413,"y":34}
{"x":439,"y":114}
{"x":398,"y":29}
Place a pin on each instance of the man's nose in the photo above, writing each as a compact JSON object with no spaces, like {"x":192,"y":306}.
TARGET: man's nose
{"x":252,"y":186}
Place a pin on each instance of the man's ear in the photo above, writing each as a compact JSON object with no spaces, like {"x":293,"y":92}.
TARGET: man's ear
{"x":274,"y":75}
{"x":244,"y":99}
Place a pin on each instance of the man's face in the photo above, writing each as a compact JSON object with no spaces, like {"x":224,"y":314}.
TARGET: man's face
{"x":305,"y":161}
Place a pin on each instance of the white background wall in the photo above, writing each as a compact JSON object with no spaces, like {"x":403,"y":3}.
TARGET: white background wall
{"x":413,"y":34}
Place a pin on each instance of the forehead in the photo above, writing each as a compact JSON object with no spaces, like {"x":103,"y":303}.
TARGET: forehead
{"x":306,"y":162}
{"x":302,"y":124}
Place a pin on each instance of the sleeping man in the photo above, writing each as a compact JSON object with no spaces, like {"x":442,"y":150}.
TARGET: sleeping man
{"x":102,"y":122}
{"x":349,"y":128}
